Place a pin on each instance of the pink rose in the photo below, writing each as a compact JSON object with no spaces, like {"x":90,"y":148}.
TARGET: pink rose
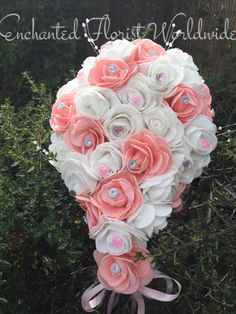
{"x":92,"y":212}
{"x":186,"y":102}
{"x":177,"y":201}
{"x":115,"y":197}
{"x":146,"y":155}
{"x":62,"y":111}
{"x":207,"y":100}
{"x":112,"y":73}
{"x":84,"y":134}
{"x":124,"y":274}
{"x":147,"y":50}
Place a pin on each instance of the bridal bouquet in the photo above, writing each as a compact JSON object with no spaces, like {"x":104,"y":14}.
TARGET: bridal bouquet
{"x":131,"y":131}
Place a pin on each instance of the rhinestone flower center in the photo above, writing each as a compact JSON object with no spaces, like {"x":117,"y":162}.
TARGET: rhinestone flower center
{"x":115,"y":268}
{"x":132,"y":164}
{"x":88,"y":142}
{"x":112,"y":69}
{"x":152,"y":53}
{"x":118,"y":130}
{"x":113,"y":193}
{"x":61,"y":106}
{"x":185,"y":99}
{"x":187,"y":164}
{"x":161,"y":77}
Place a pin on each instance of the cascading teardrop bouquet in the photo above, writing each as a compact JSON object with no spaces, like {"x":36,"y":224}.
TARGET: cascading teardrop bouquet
{"x":131,"y":131}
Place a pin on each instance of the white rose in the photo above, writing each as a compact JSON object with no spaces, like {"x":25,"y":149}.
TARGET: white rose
{"x":179,"y":57}
{"x":116,"y":237}
{"x":82,"y":75}
{"x":72,"y":86}
{"x":201,"y":141}
{"x":200,"y":136}
{"x":162,"y":121}
{"x":192,"y":78}
{"x":106,"y":159}
{"x":138,"y":94}
{"x":117,"y":49}
{"x":77,"y":174}
{"x":183,"y":163}
{"x":151,"y":218}
{"x":88,"y":64}
{"x":159,"y":189}
{"x":95,"y":102}
{"x":122,"y":121}
{"x":199,"y":162}
{"x":164,"y":76}
{"x":59,"y":149}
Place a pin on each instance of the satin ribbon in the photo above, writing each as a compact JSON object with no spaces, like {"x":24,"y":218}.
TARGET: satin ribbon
{"x":94,"y":295}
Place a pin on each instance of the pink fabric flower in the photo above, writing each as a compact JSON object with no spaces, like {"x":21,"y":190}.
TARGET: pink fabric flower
{"x":112,"y":73}
{"x":84,"y":134}
{"x":186,"y":102}
{"x":177,"y":201}
{"x":92,"y":212}
{"x":124,"y":274}
{"x":207,"y":100}
{"x":115,"y":197}
{"x":147,"y":50}
{"x":146,"y":155}
{"x":62,"y":111}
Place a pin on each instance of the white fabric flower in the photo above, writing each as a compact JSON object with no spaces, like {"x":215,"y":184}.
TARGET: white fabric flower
{"x":138,"y":94}
{"x":122,"y":121}
{"x":77,"y":174}
{"x":201,"y":140}
{"x":95,"y":102}
{"x":159,"y":189}
{"x":179,"y":57}
{"x":162,"y":121}
{"x":106,"y":159}
{"x":59,"y":149}
{"x":116,"y":237}
{"x":200,"y":136}
{"x":192,"y":78}
{"x":164,"y":76}
{"x":118,"y":49}
{"x":183,"y":163}
{"x":82,"y":75}
{"x":151,"y":218}
{"x":88,"y":64}
{"x":72,"y":86}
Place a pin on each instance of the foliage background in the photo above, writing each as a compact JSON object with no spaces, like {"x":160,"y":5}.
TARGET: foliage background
{"x":45,"y":254}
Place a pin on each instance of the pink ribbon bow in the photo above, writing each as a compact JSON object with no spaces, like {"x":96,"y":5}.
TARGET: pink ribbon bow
{"x":94,"y":295}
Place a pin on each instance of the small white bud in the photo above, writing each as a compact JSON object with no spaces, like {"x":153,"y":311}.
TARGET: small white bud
{"x":220,"y":128}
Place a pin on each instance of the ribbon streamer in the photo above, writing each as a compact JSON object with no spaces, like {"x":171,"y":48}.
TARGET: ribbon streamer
{"x":94,"y":295}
